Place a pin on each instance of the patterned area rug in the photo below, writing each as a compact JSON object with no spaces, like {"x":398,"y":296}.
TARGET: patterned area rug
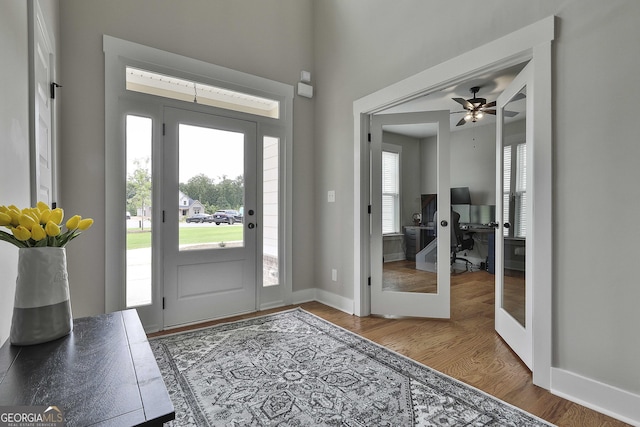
{"x":295,"y":369}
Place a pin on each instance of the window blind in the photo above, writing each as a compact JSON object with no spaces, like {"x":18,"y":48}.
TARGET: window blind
{"x":390,"y":192}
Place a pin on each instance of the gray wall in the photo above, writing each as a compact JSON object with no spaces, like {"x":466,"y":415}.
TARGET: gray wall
{"x":364,"y":45}
{"x":472,"y":162}
{"x":271,"y":39}
{"x":14,"y":130}
{"x":14,"y":139}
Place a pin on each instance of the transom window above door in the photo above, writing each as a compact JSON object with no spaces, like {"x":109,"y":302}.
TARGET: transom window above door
{"x":139,"y":80}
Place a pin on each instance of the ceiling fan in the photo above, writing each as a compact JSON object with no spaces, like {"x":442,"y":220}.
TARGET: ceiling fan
{"x":475,"y":108}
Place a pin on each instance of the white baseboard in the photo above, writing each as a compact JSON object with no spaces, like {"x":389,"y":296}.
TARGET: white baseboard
{"x":335,"y":301}
{"x":327,"y":298}
{"x":397,"y":256}
{"x":305,"y":295}
{"x":609,"y":400}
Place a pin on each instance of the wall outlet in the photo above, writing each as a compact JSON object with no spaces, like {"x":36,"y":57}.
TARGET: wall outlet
{"x":334,"y":275}
{"x":331,"y":196}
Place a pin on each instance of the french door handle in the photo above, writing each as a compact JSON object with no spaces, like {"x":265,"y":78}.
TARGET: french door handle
{"x":251,"y":225}
{"x":444,"y":223}
{"x":493,"y":224}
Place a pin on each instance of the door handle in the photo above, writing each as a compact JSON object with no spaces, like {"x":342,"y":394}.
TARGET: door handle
{"x":444,"y":223}
{"x":251,"y":225}
{"x":493,"y":224}
{"x":506,"y":225}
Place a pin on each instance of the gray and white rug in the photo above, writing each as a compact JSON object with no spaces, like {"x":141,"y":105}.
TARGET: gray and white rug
{"x":295,"y":369}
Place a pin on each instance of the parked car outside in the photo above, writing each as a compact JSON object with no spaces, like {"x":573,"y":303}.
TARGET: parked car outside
{"x":200,"y":218}
{"x":227,"y":215}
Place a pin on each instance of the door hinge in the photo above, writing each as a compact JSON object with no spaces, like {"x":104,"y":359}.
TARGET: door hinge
{"x":163,"y":303}
{"x":53,"y":87}
{"x":369,"y":209}
{"x":369,"y":137}
{"x":164,"y":129}
{"x":369,"y":281}
{"x":163,"y":216}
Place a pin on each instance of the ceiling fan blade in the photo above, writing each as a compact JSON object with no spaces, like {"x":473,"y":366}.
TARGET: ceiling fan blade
{"x":464,"y":103}
{"x":489,"y":105}
{"x":461,"y":122}
{"x":489,"y":112}
{"x":507,"y":113}
{"x":456,"y":112}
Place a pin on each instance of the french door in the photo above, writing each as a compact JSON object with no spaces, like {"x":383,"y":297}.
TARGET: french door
{"x":210,"y":164}
{"x":514,"y":208}
{"x":434,"y":258}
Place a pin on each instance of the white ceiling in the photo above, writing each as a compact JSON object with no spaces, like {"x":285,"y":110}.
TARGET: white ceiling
{"x":491,"y":85}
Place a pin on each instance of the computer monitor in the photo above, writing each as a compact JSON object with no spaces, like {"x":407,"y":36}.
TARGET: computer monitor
{"x":460,"y":196}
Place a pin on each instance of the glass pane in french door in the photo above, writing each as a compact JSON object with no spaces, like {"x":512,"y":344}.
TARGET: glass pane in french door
{"x":211,"y":188}
{"x":138,"y":214}
{"x":514,"y":211}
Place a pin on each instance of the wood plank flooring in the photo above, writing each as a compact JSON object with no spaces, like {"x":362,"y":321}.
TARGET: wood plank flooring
{"x":465,"y":347}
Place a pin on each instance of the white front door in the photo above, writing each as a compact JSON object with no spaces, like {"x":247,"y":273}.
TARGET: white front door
{"x":514,"y":207}
{"x":209,"y":264}
{"x":434,"y":258}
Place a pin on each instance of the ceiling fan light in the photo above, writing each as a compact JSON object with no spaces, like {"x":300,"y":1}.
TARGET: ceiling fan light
{"x":479,"y":115}
{"x":468,"y":116}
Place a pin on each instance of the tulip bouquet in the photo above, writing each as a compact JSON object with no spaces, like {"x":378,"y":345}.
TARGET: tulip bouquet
{"x":40,"y":226}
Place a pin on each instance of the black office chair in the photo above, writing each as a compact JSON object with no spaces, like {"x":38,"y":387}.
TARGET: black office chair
{"x":458,"y":241}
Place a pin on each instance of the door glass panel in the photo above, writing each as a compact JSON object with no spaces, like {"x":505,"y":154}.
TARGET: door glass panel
{"x":270,"y":211}
{"x":409,"y":210}
{"x":138,"y":215}
{"x":515,"y":207}
{"x":211,"y":188}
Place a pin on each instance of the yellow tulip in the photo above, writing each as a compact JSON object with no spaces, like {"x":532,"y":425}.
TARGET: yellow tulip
{"x":4,"y":209}
{"x":27,"y":221}
{"x":56,"y":216}
{"x":45,"y":216}
{"x":85,"y":223}
{"x":33,"y":213}
{"x":52,"y":229}
{"x":21,"y":233}
{"x":38,"y":233}
{"x":42,"y":206}
{"x":15,"y":217}
{"x":72,"y":223}
{"x":5,"y":219}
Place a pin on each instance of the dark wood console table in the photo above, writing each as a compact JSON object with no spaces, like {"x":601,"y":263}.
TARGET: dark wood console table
{"x":102,"y":373}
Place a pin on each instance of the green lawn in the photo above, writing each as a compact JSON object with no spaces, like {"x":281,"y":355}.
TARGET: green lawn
{"x":188,"y":235}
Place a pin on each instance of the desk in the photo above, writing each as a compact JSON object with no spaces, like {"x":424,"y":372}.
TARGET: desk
{"x":414,"y":239}
{"x":102,"y":373}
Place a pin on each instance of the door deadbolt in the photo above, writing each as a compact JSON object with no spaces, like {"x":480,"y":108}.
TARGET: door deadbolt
{"x":444,"y":223}
{"x":251,"y":225}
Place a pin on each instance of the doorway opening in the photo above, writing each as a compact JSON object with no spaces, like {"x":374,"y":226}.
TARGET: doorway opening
{"x":532,"y":43}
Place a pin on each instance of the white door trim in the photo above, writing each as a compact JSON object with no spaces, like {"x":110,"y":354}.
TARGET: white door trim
{"x":533,"y":41}
{"x":119,"y":53}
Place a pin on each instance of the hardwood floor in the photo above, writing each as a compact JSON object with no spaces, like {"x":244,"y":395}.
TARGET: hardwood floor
{"x":465,"y":347}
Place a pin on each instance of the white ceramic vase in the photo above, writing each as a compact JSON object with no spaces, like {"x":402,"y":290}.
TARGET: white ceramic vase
{"x":42,"y":308}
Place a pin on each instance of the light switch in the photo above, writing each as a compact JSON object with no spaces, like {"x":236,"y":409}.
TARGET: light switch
{"x":331,"y":196}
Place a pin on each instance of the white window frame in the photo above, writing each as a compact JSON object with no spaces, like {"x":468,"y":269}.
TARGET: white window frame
{"x":395,"y":149}
{"x":121,"y":53}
